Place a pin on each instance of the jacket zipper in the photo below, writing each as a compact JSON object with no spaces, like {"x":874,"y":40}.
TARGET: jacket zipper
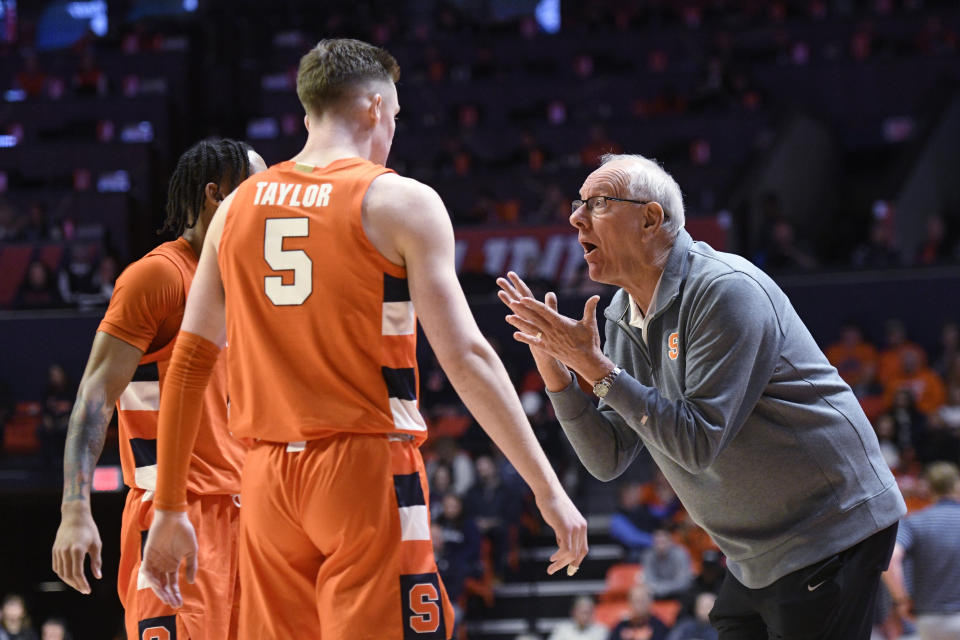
{"x":643,"y":348}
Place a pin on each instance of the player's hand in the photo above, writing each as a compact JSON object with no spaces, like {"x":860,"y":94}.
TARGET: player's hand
{"x":171,"y":539}
{"x":570,"y":528}
{"x":76,"y":538}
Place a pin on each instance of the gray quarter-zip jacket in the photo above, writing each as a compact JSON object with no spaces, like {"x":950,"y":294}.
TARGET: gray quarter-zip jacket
{"x":763,"y":442}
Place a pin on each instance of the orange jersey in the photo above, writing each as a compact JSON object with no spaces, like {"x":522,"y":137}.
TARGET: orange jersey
{"x":321,"y":328}
{"x":145,"y":311}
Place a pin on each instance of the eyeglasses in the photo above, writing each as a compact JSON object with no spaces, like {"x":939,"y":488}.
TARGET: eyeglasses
{"x":599,"y":203}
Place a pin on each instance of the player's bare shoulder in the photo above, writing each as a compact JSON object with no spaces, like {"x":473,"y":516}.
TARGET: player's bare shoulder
{"x":397,"y":209}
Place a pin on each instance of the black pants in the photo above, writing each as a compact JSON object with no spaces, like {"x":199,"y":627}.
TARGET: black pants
{"x":833,"y":599}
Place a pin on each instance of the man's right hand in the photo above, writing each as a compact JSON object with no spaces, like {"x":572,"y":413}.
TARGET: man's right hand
{"x":77,"y":537}
{"x":570,"y":528}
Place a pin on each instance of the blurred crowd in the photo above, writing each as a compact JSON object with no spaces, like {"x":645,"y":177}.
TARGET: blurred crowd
{"x":16,"y":624}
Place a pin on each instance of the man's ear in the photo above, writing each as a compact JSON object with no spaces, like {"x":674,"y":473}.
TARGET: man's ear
{"x":653,"y":216}
{"x":376,"y":108}
{"x":211,"y":192}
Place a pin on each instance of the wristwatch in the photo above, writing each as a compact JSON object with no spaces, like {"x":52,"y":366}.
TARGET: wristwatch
{"x":602,"y":387}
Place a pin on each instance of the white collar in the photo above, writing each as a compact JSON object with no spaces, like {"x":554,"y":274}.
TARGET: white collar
{"x":637,"y":318}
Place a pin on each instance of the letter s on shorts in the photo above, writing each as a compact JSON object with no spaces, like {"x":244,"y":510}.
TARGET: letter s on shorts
{"x":425,"y":605}
{"x":162,"y":628}
{"x":424,"y":614}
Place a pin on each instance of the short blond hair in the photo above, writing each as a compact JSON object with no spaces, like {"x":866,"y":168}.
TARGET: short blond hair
{"x":943,"y":478}
{"x":334,"y":65}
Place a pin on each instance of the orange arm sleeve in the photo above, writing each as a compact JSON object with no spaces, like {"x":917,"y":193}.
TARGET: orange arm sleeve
{"x":181,"y":403}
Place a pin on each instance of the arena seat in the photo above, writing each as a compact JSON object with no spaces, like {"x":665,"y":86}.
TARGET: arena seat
{"x":20,"y":432}
{"x":610,"y":613}
{"x":620,"y":578}
{"x":14,"y":260}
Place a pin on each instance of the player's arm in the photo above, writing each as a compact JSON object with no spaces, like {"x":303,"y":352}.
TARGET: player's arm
{"x":109,"y":369}
{"x":412,"y":218}
{"x":202,"y":334}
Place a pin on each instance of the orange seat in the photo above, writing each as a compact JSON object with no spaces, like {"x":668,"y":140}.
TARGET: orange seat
{"x":20,"y":432}
{"x":14,"y":260}
{"x":620,"y":578}
{"x":666,"y":610}
{"x":610,"y":613}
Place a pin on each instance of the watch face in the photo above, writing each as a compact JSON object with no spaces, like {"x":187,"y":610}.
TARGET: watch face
{"x":601,"y":389}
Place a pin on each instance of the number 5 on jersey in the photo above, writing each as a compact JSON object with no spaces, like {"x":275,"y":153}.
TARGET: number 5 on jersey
{"x":279,"y":259}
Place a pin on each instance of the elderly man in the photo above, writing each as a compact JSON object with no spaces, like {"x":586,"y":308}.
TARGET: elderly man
{"x":707,"y":366}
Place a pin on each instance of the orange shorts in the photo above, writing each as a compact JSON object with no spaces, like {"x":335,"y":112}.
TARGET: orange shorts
{"x":335,"y":543}
{"x":211,"y":603}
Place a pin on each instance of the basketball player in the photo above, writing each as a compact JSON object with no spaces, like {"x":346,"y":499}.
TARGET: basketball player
{"x":129,"y":359}
{"x":317,"y":266}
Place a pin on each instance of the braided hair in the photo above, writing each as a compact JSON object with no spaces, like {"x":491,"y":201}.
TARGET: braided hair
{"x":210,"y":160}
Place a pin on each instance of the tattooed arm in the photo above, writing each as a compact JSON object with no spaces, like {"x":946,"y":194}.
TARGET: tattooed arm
{"x":109,"y":369}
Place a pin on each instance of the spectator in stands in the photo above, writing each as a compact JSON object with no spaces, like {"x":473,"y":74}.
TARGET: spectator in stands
{"x":57,"y":405}
{"x":880,"y":251}
{"x":953,"y":372}
{"x":450,"y":573}
{"x":79,"y":278}
{"x":36,"y":226}
{"x":640,"y":621}
{"x":919,"y":380}
{"x":710,"y":577}
{"x":697,"y":626}
{"x":910,"y":425}
{"x":580,"y":626}
{"x":14,"y":621}
{"x":949,"y":348}
{"x":929,"y":540}
{"x":31,"y":79}
{"x":461,"y":557}
{"x":496,"y":508}
{"x":666,"y":567}
{"x":38,"y":290}
{"x":9,"y":227}
{"x":54,"y":629}
{"x":109,"y":270}
{"x":949,"y":414}
{"x":934,"y":248}
{"x":780,"y":250}
{"x":554,"y":207}
{"x":890,"y":366}
{"x":440,"y":484}
{"x":598,"y":144}
{"x":446,"y":451}
{"x":940,"y":440}
{"x":89,"y":78}
{"x":855,"y":359}
{"x":890,"y":447}
{"x":638,"y":515}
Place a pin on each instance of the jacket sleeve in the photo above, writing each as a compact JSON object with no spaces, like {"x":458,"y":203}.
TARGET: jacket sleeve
{"x":604,"y":442}
{"x":731,"y":347}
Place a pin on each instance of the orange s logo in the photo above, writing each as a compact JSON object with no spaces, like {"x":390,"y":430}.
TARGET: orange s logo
{"x":674,"y":343}
{"x":155,"y":633}
{"x":424,"y":601}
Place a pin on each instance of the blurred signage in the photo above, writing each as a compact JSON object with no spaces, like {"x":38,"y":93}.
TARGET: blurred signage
{"x":549,"y":252}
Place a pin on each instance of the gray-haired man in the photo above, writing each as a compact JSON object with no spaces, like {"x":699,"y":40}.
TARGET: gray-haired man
{"x":707,"y":365}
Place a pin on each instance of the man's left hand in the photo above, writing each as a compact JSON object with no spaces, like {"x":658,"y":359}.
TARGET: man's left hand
{"x":171,"y":539}
{"x":576,"y":343}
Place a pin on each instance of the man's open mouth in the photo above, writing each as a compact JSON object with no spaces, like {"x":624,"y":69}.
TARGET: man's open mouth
{"x":588,"y":248}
